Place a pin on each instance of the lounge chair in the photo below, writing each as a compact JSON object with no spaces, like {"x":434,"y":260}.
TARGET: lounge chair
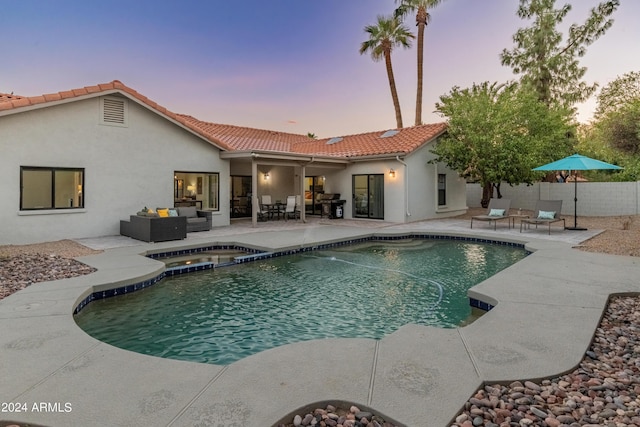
{"x":546,"y":212}
{"x":498,"y":209}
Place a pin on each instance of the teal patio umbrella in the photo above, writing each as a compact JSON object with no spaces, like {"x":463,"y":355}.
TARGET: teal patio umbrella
{"x":576,"y":163}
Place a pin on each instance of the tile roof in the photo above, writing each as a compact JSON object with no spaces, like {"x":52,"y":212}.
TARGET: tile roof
{"x":365,"y":144}
{"x":242,"y":138}
{"x":237,"y":138}
{"x":4,"y":97}
{"x":371,"y":143}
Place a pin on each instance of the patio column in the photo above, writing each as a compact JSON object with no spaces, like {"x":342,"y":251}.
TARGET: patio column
{"x":254,"y":193}
{"x":303,"y":206}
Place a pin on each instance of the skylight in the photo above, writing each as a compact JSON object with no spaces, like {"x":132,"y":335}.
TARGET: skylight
{"x":389,"y":133}
{"x":334,"y":140}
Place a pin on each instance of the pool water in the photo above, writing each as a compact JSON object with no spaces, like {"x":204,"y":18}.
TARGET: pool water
{"x":368,"y":291}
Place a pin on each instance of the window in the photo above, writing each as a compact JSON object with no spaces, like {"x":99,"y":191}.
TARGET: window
{"x":51,"y":188}
{"x":214,"y":190}
{"x":442,"y":189}
{"x":201,"y":189}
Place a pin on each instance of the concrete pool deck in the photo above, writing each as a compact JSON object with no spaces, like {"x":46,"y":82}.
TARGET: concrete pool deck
{"x":547,"y":308}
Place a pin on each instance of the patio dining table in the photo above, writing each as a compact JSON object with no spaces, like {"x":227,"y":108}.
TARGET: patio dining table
{"x":276,"y":208}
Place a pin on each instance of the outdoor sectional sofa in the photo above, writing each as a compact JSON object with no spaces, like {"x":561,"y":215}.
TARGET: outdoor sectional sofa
{"x":154,"y":229}
{"x":197,"y":220}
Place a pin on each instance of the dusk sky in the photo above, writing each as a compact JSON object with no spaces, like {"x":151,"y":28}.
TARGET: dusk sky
{"x":287,"y":65}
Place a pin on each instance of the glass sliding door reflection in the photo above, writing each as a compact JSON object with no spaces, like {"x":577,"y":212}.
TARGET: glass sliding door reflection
{"x":368,"y":196}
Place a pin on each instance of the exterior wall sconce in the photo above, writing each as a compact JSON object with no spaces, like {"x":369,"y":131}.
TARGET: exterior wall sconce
{"x":266,"y":175}
{"x":392,"y":173}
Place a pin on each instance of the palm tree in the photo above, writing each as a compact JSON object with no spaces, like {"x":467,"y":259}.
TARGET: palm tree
{"x":420,"y":7}
{"x":383,"y":37}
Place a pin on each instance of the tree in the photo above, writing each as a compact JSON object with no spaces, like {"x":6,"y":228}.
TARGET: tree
{"x":420,"y":7}
{"x":618,"y":93}
{"x":617,"y":119}
{"x":387,"y":34}
{"x":547,"y":64}
{"x":592,"y":143}
{"x":499,"y":133}
{"x":312,"y":135}
{"x":620,"y":128}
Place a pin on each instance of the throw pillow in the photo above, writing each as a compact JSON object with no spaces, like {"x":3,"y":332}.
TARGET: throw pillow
{"x":173,"y":212}
{"x":496,"y":212}
{"x":546,"y":215}
{"x":163,"y":212}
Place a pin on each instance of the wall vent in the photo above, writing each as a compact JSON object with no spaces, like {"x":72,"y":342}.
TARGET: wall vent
{"x":114,"y":111}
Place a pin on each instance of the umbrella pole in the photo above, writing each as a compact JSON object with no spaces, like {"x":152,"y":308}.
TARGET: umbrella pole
{"x":575,"y":204}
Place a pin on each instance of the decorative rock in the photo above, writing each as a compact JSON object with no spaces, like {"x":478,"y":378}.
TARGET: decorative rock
{"x":307,"y":419}
{"x":297,"y":421}
{"x":532,"y":386}
{"x":552,"y":422}
{"x":461,"y":418}
{"x":363,"y":414}
{"x":603,"y":390}
{"x":538,"y":412}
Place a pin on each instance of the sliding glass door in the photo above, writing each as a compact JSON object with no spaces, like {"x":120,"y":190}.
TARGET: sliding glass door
{"x":368,"y":196}
{"x":313,"y":186}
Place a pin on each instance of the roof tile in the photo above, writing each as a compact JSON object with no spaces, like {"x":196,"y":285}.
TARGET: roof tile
{"x":239,"y":138}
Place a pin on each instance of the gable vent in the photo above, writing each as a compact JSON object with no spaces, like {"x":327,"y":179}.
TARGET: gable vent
{"x":114,"y":111}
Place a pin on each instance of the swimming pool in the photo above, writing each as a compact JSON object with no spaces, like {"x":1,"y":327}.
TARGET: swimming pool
{"x":367,"y":290}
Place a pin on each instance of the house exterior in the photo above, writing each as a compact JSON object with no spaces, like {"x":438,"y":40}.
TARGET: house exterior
{"x":77,"y":162}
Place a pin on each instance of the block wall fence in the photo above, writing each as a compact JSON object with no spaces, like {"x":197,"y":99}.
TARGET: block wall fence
{"x":594,"y":198}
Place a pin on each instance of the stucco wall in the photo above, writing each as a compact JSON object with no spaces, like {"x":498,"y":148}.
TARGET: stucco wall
{"x":594,"y":198}
{"x":126,"y":168}
{"x":341,"y":181}
{"x":422,"y":187}
{"x":423,"y":190}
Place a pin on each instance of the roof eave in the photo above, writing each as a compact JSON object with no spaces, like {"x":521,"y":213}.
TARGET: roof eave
{"x":384,"y":156}
{"x":280,"y":155}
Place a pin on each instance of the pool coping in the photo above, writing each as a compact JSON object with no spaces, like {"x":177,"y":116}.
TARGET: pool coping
{"x":547,"y":307}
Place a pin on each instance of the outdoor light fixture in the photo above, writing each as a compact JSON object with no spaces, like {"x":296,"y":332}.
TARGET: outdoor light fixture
{"x":266,"y":175}
{"x":392,"y":173}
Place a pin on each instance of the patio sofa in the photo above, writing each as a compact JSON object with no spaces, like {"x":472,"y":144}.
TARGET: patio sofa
{"x":154,"y":229}
{"x":197,"y":220}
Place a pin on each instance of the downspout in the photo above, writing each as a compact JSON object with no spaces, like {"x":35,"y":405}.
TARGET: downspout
{"x":406,"y":185}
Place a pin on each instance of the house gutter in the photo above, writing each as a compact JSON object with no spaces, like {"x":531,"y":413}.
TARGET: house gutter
{"x":406,"y":185}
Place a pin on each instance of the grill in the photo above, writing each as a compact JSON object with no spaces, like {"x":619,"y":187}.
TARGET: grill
{"x":332,"y":205}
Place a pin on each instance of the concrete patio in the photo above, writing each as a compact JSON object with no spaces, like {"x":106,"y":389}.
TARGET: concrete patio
{"x":547,"y":308}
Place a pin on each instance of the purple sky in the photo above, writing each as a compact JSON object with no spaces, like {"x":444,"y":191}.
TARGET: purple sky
{"x":288,"y":65}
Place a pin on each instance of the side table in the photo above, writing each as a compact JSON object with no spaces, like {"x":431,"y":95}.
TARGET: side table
{"x":512,"y":219}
